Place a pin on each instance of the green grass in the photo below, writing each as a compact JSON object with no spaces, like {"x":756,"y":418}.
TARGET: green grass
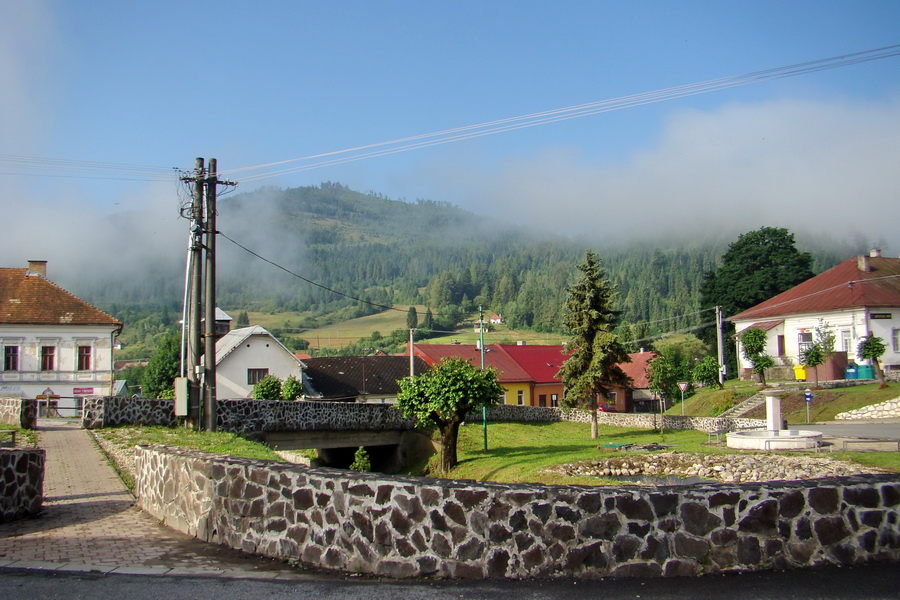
{"x":711,"y":402}
{"x":24,"y":437}
{"x":216,"y":442}
{"x":518,"y":451}
{"x":827,"y":403}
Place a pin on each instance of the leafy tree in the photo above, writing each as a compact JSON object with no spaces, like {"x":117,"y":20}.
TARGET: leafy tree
{"x":162,"y":368}
{"x":594,"y":350}
{"x":361,"y":461}
{"x":754,"y":341}
{"x":706,"y":372}
{"x":872,"y":348}
{"x":812,"y":358}
{"x":759,"y":265}
{"x":686,"y":346}
{"x":443,"y":396}
{"x":412,"y":318}
{"x":243,"y":320}
{"x":268,"y":388}
{"x":291,"y":389}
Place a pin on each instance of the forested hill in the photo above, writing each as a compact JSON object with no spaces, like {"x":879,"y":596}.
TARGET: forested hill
{"x":388,"y":252}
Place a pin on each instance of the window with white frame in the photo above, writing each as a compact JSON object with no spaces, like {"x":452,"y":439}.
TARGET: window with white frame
{"x":520,"y":397}
{"x":48,"y":358}
{"x":84,"y":358}
{"x":805,"y":340}
{"x":895,"y":339}
{"x":10,"y":358}
{"x":846,"y":342}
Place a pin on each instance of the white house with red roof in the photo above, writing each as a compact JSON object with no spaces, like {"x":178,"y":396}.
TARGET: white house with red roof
{"x":52,"y":343}
{"x":858,"y":296}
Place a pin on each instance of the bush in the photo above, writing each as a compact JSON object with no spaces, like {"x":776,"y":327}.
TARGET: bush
{"x":291,"y":389}
{"x":361,"y":461}
{"x":268,"y":388}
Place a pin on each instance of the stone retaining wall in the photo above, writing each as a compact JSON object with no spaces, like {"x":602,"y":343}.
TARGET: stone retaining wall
{"x":21,"y":483}
{"x":412,"y":527}
{"x":882,"y":410}
{"x":632,"y":420}
{"x":18,"y":412}
{"x":109,"y":411}
{"x":250,"y":416}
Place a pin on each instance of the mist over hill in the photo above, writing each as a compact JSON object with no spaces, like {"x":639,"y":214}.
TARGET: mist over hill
{"x":363,"y":250}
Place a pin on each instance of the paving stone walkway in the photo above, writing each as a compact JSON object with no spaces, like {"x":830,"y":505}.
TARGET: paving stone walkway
{"x":90,"y":523}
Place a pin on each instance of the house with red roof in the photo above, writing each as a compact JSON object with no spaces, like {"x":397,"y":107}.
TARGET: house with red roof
{"x":53,"y":343}
{"x":858,"y":296}
{"x":529,"y":373}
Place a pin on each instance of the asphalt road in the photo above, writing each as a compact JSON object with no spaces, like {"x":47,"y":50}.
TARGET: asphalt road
{"x":863,"y":582}
{"x":880,"y":429}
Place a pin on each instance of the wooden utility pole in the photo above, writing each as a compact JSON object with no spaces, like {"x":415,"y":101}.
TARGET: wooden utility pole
{"x":209,"y":377}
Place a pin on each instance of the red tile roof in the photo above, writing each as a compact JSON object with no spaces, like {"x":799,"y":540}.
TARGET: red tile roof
{"x":31,"y":299}
{"x":539,"y":364}
{"x":843,"y":286}
{"x":509,"y":371}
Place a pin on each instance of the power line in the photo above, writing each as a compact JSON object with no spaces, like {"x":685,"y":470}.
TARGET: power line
{"x":552,"y":116}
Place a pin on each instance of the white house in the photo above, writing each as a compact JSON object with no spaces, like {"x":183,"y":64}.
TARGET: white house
{"x":246,"y":355}
{"x":858,"y":296}
{"x":53,"y":343}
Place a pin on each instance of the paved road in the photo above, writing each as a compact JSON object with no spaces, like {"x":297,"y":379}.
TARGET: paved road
{"x":89,"y":523}
{"x":874,"y":582}
{"x":887,"y":431}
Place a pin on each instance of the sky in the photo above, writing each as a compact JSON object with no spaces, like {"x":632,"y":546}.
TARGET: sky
{"x":102,"y":102}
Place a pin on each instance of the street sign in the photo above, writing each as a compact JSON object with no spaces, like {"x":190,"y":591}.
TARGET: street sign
{"x":682,"y":385}
{"x":808,"y":395}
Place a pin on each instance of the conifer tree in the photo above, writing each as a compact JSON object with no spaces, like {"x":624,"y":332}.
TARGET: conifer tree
{"x":594,"y":350}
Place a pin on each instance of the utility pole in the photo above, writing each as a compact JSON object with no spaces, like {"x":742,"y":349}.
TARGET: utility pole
{"x":196,"y":299}
{"x":201,"y":339}
{"x":209,"y":377}
{"x":720,"y":343}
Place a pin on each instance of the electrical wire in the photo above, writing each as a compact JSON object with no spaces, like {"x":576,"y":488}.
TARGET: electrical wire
{"x":552,"y":116}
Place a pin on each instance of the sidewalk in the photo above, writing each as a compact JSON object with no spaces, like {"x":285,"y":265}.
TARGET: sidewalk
{"x":90,"y":523}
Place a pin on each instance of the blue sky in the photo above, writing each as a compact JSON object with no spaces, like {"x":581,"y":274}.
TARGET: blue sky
{"x":159,"y":83}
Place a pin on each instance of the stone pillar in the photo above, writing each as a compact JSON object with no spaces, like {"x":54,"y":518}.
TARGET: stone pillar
{"x":773,"y":410}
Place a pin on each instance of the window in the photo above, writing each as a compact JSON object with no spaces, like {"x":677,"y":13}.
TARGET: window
{"x":84,"y":358}
{"x":48,"y":358}
{"x":805,"y":340}
{"x":10,"y":358}
{"x":895,"y":339}
{"x":542,"y":400}
{"x":520,"y":397}
{"x":254,"y":376}
{"x":845,"y":341}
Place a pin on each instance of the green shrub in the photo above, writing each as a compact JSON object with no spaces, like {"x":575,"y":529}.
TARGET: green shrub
{"x":361,"y":461}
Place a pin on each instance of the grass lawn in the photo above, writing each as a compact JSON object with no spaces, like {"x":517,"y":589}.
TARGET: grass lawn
{"x":216,"y":442}
{"x":24,"y":437}
{"x":827,"y":403}
{"x":518,"y":451}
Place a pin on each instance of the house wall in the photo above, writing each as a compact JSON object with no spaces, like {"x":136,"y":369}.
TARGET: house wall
{"x":64,"y":379}
{"x":512,"y":390}
{"x":849,"y":327}
{"x":257,"y":352}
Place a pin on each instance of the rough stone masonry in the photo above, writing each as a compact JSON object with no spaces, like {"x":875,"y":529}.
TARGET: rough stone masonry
{"x":415,"y":527}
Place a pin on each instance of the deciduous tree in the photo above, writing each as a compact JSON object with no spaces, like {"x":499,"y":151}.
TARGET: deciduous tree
{"x":872,"y":348}
{"x":594,"y":350}
{"x":754,"y":341}
{"x":163,"y":367}
{"x":443,"y":396}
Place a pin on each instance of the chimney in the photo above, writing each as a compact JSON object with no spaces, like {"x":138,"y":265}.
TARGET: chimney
{"x":37,"y":267}
{"x":875,"y":252}
{"x":862,"y":263}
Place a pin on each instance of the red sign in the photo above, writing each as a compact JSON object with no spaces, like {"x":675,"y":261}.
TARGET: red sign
{"x":682,"y":385}
{"x":82,"y":391}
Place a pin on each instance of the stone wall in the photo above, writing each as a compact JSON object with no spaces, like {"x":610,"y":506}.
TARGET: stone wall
{"x":632,"y":420}
{"x":21,"y":483}
{"x":250,"y":416}
{"x":18,"y":412}
{"x":882,"y":410}
{"x":412,"y":527}
{"x":109,"y":411}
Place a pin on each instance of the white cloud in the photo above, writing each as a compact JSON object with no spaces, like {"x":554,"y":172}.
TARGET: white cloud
{"x":801,"y":164}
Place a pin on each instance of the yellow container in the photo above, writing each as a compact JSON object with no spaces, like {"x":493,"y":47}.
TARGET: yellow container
{"x":799,"y":373}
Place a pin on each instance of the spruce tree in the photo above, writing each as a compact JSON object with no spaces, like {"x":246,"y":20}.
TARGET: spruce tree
{"x":594,"y":350}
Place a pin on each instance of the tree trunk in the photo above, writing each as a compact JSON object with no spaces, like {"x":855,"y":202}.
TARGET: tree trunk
{"x":449,"y":436}
{"x":879,"y":374}
{"x":594,"y":433}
